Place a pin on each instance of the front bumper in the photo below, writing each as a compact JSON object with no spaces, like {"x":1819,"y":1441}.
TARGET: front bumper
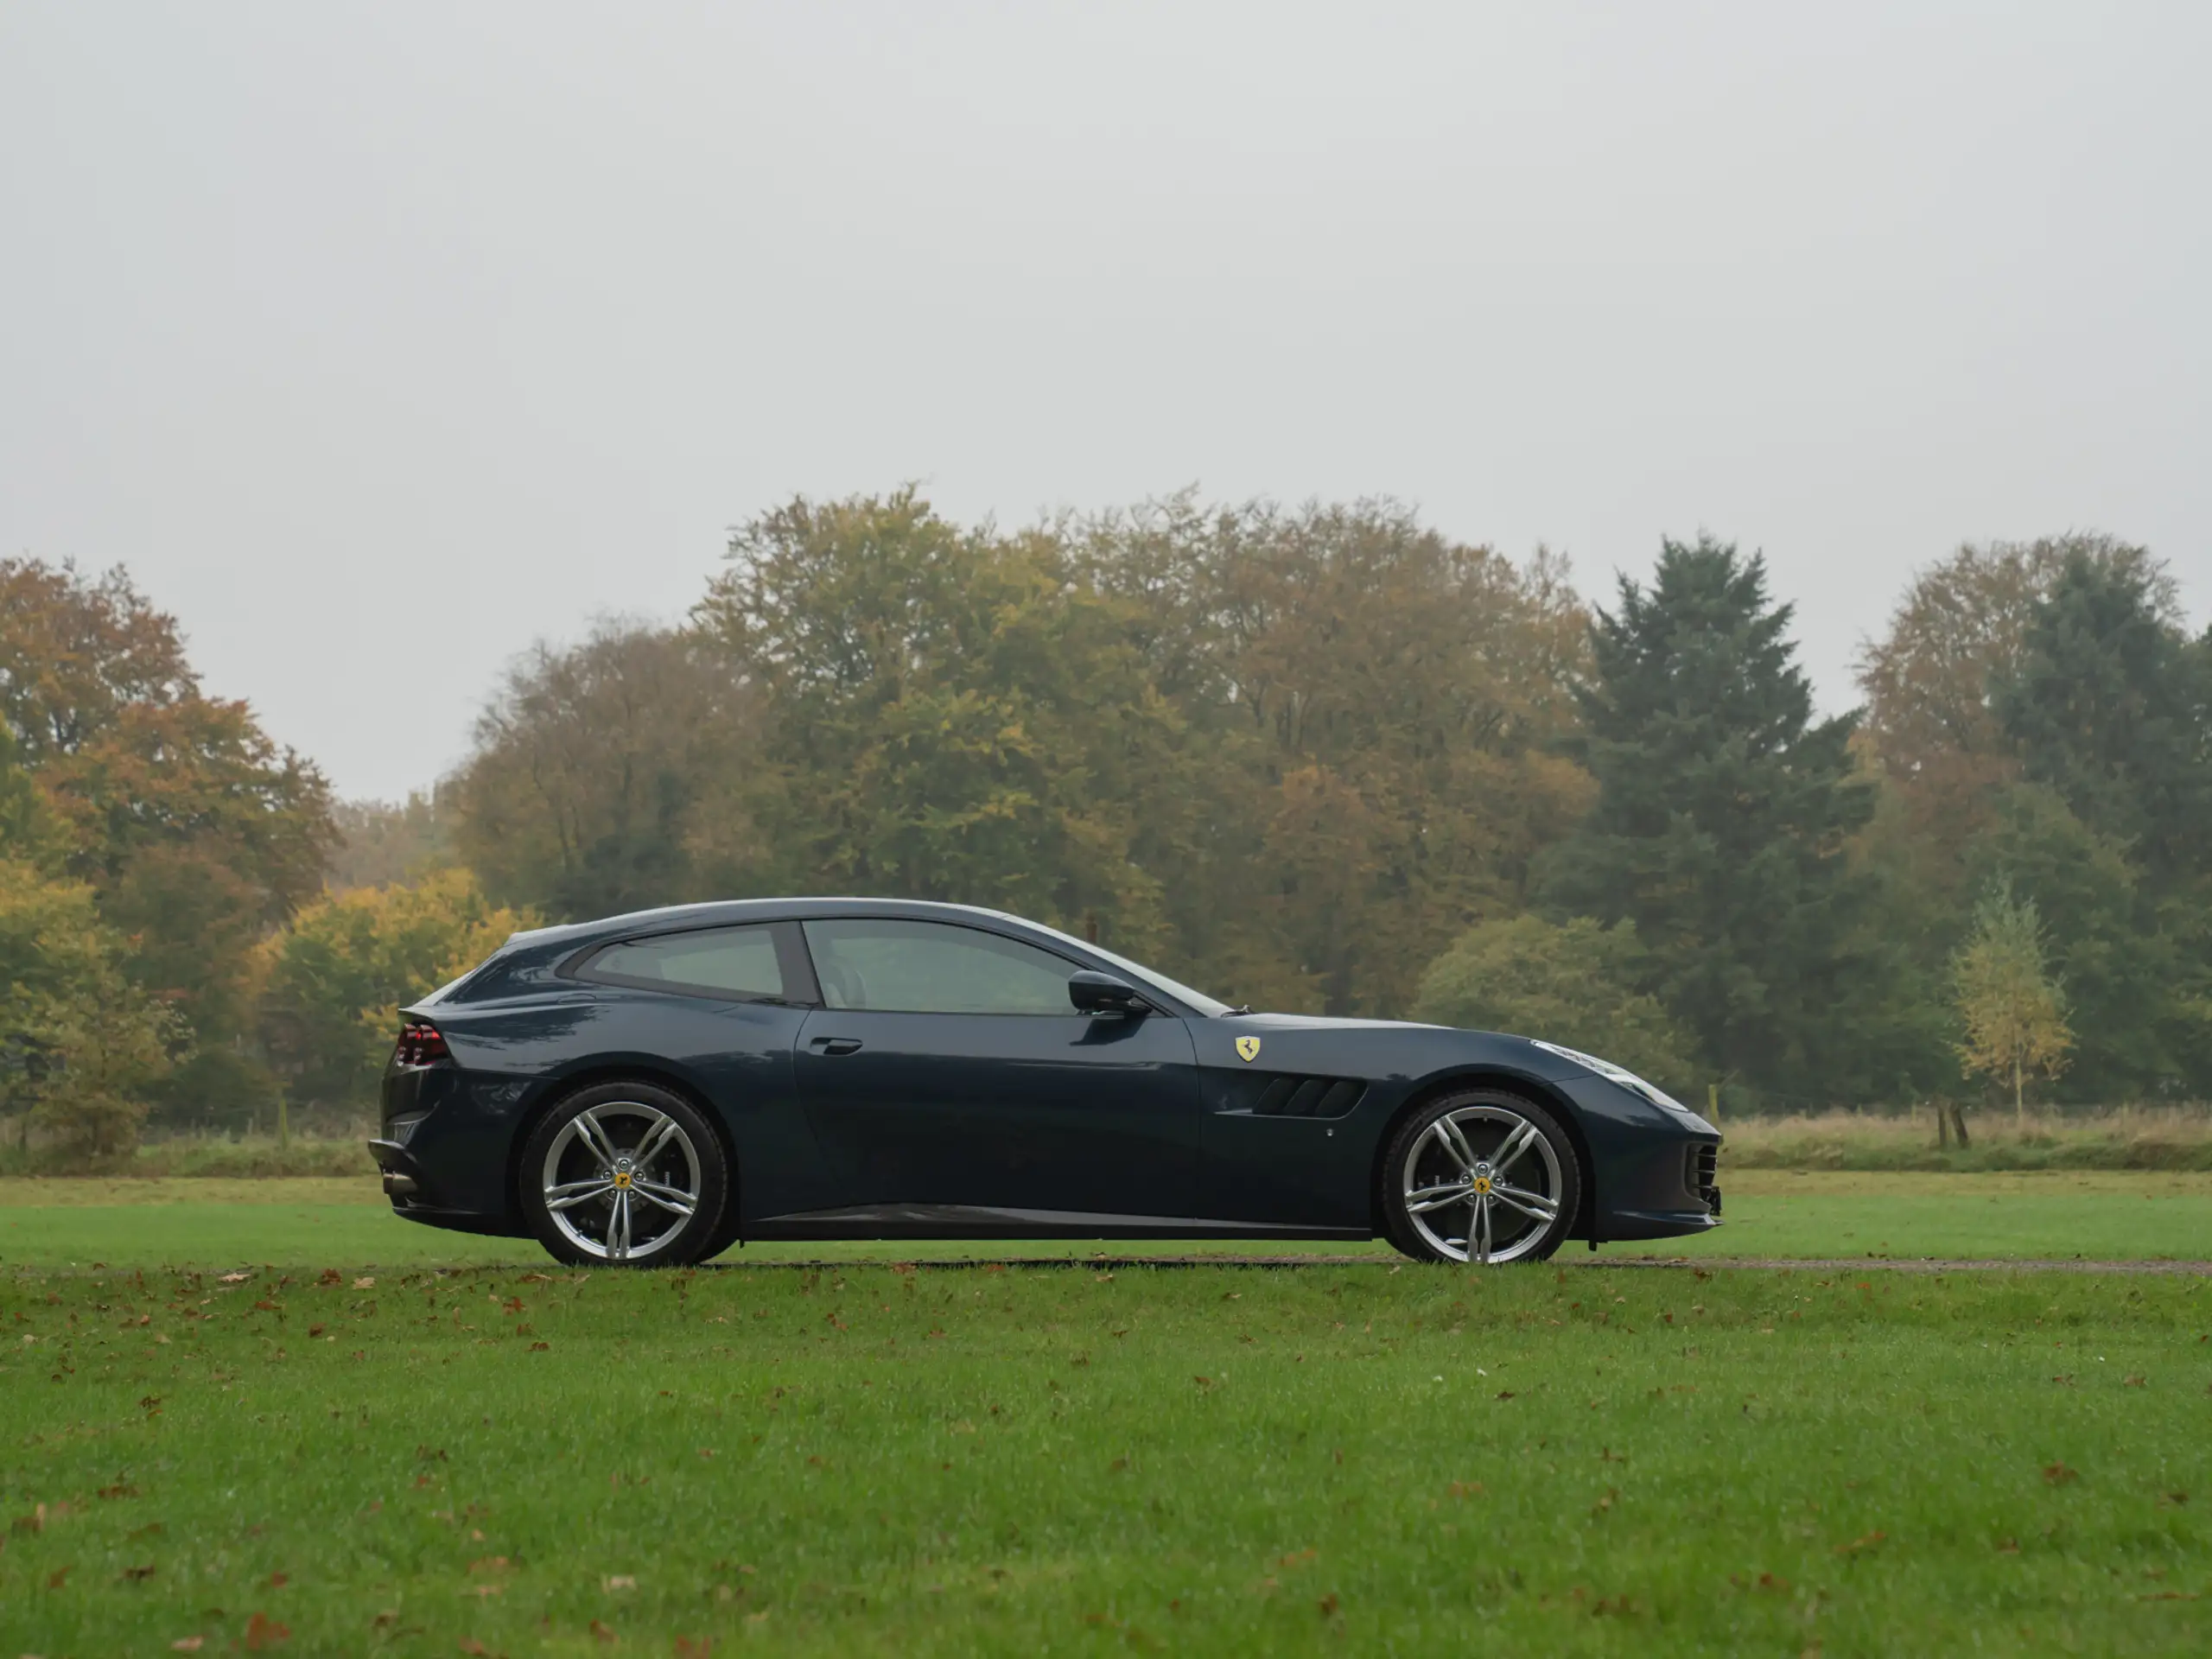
{"x":1655,"y":1171}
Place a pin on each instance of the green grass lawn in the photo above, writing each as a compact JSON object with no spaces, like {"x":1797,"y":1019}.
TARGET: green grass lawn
{"x":865,"y":1458}
{"x":1210,"y":1460}
{"x":2100,"y":1215}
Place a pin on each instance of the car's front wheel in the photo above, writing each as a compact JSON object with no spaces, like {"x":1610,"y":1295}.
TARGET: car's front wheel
{"x":624,"y":1174}
{"x":1479,"y":1175}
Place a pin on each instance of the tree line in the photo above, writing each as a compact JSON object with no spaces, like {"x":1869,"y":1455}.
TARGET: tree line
{"x":1322,"y":757}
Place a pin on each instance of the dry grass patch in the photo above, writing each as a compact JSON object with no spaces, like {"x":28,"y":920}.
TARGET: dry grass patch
{"x":2121,"y":1138}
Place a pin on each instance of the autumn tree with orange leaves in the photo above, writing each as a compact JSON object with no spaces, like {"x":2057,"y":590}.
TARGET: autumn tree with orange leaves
{"x":195,"y":834}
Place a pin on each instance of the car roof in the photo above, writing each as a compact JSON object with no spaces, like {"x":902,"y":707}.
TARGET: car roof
{"x":722,"y":912}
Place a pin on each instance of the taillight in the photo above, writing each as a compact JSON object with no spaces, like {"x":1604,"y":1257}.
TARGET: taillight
{"x":420,"y":1045}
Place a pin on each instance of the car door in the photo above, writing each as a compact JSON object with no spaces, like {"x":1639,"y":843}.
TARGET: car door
{"x":947,"y":1066}
{"x":724,"y":1006}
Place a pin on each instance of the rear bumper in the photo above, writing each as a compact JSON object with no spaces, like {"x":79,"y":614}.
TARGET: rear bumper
{"x":415,"y":1195}
{"x":403,"y":1176}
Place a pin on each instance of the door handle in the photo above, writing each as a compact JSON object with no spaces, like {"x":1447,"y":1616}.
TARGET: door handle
{"x":834,"y":1045}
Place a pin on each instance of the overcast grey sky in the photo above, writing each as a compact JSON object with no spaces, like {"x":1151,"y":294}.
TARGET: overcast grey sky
{"x":378,"y":340}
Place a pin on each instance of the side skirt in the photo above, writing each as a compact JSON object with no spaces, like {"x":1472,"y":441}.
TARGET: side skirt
{"x":982,"y":1221}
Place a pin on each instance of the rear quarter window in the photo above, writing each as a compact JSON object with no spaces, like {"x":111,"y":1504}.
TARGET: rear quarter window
{"x":729,"y":962}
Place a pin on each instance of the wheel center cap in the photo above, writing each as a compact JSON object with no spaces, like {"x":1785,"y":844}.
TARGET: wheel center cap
{"x":622,"y":1171}
{"x":1480,"y":1180}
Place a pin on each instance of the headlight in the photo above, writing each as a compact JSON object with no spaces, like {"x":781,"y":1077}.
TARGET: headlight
{"x":1611,"y":1073}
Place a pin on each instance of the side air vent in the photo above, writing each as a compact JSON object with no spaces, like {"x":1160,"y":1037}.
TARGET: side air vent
{"x":1702,"y":1175}
{"x":1281,"y":1096}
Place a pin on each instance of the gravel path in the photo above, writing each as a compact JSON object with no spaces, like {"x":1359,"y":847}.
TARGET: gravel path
{"x":1703,"y":1263}
{"x":1926,"y":1264}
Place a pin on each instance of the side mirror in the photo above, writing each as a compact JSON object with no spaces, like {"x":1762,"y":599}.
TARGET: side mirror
{"x":1096,"y":993}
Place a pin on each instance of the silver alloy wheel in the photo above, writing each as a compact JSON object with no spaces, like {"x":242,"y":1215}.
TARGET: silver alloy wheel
{"x":621,"y":1179}
{"x":1488,"y":1172}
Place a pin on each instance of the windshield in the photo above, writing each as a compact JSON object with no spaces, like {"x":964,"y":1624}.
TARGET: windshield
{"x":1210,"y":1007}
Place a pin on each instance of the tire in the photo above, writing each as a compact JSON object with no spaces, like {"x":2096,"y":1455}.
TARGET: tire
{"x":591,"y":1202}
{"x":1517,"y":1208}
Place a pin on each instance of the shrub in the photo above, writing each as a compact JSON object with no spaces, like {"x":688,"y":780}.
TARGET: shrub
{"x":1574,"y":983}
{"x":79,"y":1046}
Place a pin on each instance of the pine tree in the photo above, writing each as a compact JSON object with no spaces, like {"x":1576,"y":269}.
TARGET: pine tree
{"x":2011,"y":1004}
{"x":2106,"y":706}
{"x":1722,"y":812}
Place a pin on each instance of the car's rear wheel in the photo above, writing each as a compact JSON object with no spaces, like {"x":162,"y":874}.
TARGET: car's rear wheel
{"x":624,"y":1174}
{"x":1479,"y":1176}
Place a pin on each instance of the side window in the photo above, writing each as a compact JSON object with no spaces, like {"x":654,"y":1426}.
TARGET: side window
{"x":934,"y":968}
{"x":720,"y":962}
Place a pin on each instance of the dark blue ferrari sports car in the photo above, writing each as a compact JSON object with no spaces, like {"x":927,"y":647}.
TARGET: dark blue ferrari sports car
{"x":655,"y":1088}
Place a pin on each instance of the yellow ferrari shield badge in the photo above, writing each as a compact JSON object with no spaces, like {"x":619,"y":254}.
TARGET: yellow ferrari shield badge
{"x":621,"y":1178}
{"x":1248,"y":1049}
